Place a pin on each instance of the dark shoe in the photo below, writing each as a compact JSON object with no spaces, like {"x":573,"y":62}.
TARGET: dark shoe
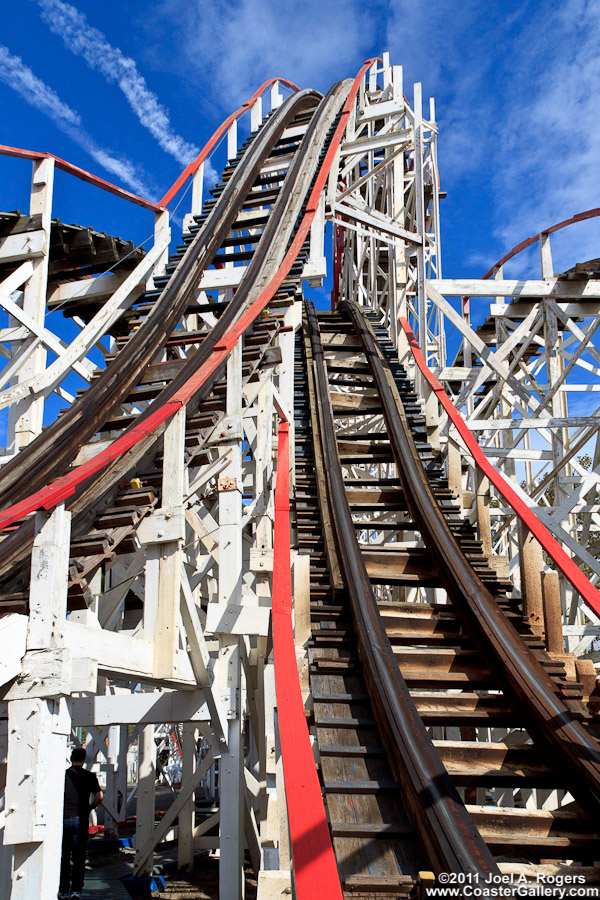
{"x":62,"y":896}
{"x":75,"y":895}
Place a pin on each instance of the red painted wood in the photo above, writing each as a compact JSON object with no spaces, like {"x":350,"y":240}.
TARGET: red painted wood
{"x":314,"y":865}
{"x":82,"y":175}
{"x":221,"y":130}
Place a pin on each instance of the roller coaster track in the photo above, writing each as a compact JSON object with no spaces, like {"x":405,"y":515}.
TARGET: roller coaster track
{"x":420,"y":655}
{"x":414,"y":657}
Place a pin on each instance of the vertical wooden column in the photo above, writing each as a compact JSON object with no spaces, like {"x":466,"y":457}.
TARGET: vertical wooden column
{"x":25,"y":417}
{"x":231,"y":832}
{"x":144,"y":823}
{"x":276,"y":95}
{"x":552,"y":612}
{"x":400,"y":270}
{"x":483,"y":513}
{"x":455,"y":469}
{"x":420,"y":217}
{"x":111,"y":794}
{"x":39,"y":720}
{"x":197,"y":190}
{"x":256,"y":114}
{"x":169,"y":524}
{"x":185,"y":840}
{"x":232,"y":132}
{"x":531,"y":560}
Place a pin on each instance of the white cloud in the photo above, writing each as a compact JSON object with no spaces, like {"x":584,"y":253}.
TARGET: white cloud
{"x":241,"y":43}
{"x":549,"y":159}
{"x":36,"y":93}
{"x":517,"y":95}
{"x":84,"y":40}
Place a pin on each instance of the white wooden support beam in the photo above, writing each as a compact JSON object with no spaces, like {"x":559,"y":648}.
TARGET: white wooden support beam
{"x":228,"y":667}
{"x":124,"y":293}
{"x":144,"y":822}
{"x":546,"y":256}
{"x":256,"y":114}
{"x":197,"y":190}
{"x":111,"y":793}
{"x":21,"y":247}
{"x":166,"y":629}
{"x":558,"y":288}
{"x":37,"y":750}
{"x":186,"y":819}
{"x":25,"y":419}
{"x":378,"y":223}
{"x":162,"y":237}
{"x":276,"y":95}
{"x":143,"y":857}
{"x":232,"y":140}
{"x":13,"y":639}
{"x":316,"y":266}
{"x":49,"y":579}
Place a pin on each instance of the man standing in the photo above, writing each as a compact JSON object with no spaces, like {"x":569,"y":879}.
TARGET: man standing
{"x":80,"y":784}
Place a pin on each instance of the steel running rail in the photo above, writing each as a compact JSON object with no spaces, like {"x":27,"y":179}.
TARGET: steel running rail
{"x":446,"y":831}
{"x":515,"y":666}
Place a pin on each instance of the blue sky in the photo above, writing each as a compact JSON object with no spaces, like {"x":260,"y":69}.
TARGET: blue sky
{"x":130,"y":90}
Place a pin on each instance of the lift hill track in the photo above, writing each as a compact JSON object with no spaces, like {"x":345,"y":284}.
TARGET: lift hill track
{"x":453,"y":731}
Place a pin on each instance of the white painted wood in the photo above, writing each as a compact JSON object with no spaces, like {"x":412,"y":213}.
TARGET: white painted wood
{"x":256,"y":114}
{"x":15,"y":280}
{"x":197,"y":190}
{"x":34,"y":796}
{"x":378,"y":222}
{"x":49,"y":578}
{"x":229,"y":618}
{"x":166,"y":629}
{"x":121,"y":654}
{"x":143,"y":707}
{"x":13,"y":637}
{"x":232,"y":140}
{"x":19,"y":247}
{"x":143,"y":853}
{"x":25,"y":419}
{"x":301,"y":584}
{"x":364,"y":145}
{"x":144,"y":823}
{"x":186,"y":819}
{"x":551,"y":287}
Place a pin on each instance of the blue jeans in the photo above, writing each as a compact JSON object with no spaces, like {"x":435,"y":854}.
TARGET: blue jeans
{"x":75,"y":833}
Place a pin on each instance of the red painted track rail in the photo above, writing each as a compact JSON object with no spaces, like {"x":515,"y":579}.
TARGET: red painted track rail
{"x":550,"y":545}
{"x":315,"y":869}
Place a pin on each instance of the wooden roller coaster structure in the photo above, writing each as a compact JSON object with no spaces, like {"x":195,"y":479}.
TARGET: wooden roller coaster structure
{"x":336,"y":571}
